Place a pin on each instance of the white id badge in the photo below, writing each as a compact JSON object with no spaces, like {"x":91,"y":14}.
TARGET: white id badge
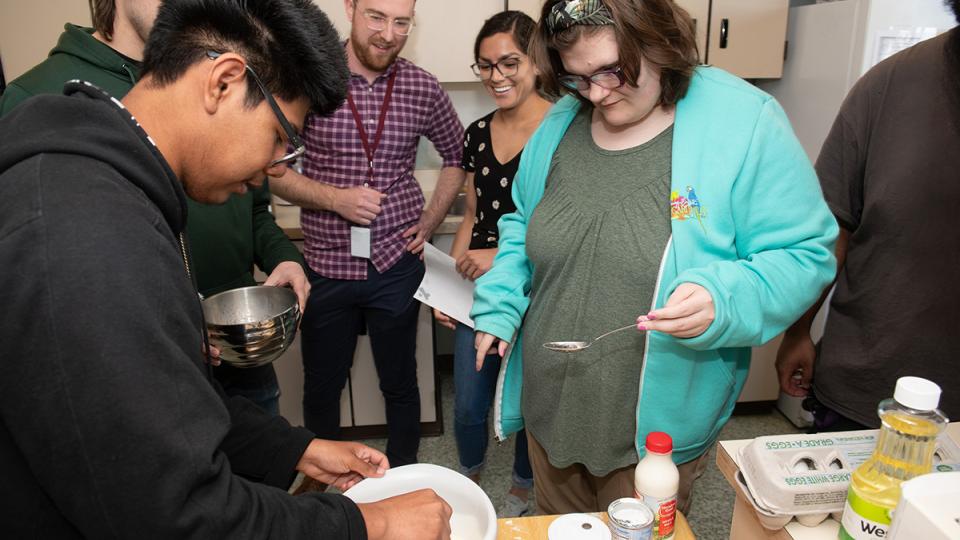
{"x":360,"y":242}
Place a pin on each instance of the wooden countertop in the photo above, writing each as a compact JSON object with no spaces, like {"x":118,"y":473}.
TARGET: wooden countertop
{"x":535,"y":527}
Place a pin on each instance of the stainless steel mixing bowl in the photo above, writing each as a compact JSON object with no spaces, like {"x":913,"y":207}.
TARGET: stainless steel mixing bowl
{"x":252,"y":326}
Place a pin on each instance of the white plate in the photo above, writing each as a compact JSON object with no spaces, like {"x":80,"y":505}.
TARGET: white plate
{"x":473,"y":515}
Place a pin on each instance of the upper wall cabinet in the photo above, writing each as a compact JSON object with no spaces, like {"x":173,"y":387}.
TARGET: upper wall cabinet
{"x":747,"y":37}
{"x":442,"y":40}
{"x":744,"y":37}
{"x":699,"y":11}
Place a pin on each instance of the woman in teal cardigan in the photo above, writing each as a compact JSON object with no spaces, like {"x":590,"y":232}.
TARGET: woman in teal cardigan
{"x":658,"y":193}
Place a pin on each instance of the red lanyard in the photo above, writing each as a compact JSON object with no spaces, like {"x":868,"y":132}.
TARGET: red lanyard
{"x":371,"y":149}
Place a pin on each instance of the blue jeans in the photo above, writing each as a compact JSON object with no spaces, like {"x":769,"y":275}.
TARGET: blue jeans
{"x":474,"y":392}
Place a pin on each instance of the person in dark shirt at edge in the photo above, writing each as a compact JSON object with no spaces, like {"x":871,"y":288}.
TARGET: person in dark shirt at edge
{"x":226,"y":240}
{"x":894,"y":311}
{"x":111,"y":425}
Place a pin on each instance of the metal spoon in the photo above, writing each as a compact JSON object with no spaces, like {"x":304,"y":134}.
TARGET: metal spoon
{"x":574,"y":346}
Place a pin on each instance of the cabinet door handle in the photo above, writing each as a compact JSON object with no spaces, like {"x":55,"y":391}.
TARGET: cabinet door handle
{"x":724,"y":30}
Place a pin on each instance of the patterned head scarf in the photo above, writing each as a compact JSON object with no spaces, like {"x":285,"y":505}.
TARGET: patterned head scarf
{"x":569,"y":13}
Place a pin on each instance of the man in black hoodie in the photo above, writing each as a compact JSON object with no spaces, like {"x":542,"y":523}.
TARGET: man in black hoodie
{"x":110,"y":423}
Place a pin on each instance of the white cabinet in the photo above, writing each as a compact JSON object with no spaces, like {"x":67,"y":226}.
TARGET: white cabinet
{"x":747,"y":37}
{"x":442,"y":40}
{"x":744,"y":37}
{"x":699,"y":11}
{"x":762,"y":382}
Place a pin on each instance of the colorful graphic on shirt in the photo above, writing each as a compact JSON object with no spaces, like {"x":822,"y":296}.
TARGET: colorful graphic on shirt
{"x":687,"y":207}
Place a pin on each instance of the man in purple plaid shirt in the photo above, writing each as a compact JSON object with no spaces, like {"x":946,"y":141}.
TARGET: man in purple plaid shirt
{"x":364,"y":221}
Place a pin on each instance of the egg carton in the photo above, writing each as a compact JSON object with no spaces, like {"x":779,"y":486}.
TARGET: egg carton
{"x":806,"y":476}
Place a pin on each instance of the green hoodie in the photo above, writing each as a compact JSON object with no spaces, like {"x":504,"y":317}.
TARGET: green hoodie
{"x":78,"y":55}
{"x":227,"y":239}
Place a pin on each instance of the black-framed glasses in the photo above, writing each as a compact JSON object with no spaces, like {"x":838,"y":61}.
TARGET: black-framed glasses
{"x":507,"y":67}
{"x":402,"y":26}
{"x":292,"y":138}
{"x":609,"y":79}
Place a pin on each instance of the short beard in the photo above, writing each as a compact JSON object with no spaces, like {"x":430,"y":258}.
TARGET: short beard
{"x":369,"y":61}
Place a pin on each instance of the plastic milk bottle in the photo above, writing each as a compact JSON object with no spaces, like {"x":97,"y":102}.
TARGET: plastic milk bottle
{"x":656,"y":482}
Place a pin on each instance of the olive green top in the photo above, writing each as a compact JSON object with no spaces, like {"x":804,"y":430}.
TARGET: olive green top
{"x":595,"y":240}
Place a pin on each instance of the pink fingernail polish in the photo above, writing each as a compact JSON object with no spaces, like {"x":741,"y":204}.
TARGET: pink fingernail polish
{"x":651,"y":316}
{"x":641,"y":327}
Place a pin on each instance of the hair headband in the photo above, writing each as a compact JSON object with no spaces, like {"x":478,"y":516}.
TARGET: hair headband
{"x":569,"y":13}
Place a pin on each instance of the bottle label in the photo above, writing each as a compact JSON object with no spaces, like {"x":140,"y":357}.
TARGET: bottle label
{"x":863,"y":520}
{"x":664,"y":514}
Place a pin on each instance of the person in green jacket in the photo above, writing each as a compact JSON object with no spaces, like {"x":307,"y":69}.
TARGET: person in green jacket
{"x":226,"y":240}
{"x":658,"y":194}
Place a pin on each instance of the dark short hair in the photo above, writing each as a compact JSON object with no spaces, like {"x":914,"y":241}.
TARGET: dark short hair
{"x":955,"y":7}
{"x":658,"y":31}
{"x":516,"y":23}
{"x":290,"y":44}
{"x":102,"y":13}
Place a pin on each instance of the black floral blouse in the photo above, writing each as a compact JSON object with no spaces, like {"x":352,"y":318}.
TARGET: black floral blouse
{"x":491,"y":179}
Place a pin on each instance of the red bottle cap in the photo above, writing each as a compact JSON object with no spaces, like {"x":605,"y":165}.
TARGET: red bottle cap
{"x":659,"y":442}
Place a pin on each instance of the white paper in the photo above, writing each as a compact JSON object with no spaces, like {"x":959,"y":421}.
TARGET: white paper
{"x":360,"y":242}
{"x":897,"y":38}
{"x":443,"y":287}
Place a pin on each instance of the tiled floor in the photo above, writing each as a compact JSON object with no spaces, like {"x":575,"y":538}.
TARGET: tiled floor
{"x":713,"y":498}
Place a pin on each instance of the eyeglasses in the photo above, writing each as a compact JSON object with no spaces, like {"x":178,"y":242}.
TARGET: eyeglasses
{"x":609,"y":79}
{"x":377,"y":22}
{"x":292,"y":138}
{"x":507,"y":67}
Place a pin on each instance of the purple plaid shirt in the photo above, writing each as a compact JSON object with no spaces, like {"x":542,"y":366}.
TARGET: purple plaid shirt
{"x":335,"y":156}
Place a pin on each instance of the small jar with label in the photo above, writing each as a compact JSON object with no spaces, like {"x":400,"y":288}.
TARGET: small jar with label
{"x":656,"y":482}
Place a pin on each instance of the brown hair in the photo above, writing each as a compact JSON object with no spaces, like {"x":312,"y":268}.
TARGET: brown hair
{"x":103,"y":12}
{"x":657,"y":31}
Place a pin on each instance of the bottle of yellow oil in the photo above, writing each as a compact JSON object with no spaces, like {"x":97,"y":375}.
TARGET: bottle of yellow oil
{"x":910,"y":423}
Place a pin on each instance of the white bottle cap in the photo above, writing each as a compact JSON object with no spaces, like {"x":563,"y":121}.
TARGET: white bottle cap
{"x":917,"y":393}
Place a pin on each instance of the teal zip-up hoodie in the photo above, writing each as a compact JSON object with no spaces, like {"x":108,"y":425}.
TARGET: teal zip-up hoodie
{"x":748,"y":223}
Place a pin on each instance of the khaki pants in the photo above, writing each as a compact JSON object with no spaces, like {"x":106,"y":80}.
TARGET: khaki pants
{"x":574,"y":489}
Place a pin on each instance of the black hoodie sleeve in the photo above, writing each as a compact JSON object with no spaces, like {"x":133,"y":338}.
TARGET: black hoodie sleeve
{"x":260,"y":446}
{"x":102,"y":390}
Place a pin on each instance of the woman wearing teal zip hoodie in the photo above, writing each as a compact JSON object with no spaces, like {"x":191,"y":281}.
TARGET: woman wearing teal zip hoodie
{"x":662,"y":194}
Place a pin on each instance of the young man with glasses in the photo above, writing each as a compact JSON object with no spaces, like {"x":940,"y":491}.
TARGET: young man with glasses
{"x":364,"y":221}
{"x":226,"y":240}
{"x":111,"y":424}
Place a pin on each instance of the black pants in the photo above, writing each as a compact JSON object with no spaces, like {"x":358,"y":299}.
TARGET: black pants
{"x":335,"y":315}
{"x":827,"y":420}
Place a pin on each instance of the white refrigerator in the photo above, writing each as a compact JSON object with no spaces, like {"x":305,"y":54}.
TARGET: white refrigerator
{"x":831,"y":44}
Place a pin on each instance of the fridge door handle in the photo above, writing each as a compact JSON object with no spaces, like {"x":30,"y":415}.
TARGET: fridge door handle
{"x":724,"y":31}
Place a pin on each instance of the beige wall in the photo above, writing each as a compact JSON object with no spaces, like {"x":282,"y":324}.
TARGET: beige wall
{"x":30,"y":28}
